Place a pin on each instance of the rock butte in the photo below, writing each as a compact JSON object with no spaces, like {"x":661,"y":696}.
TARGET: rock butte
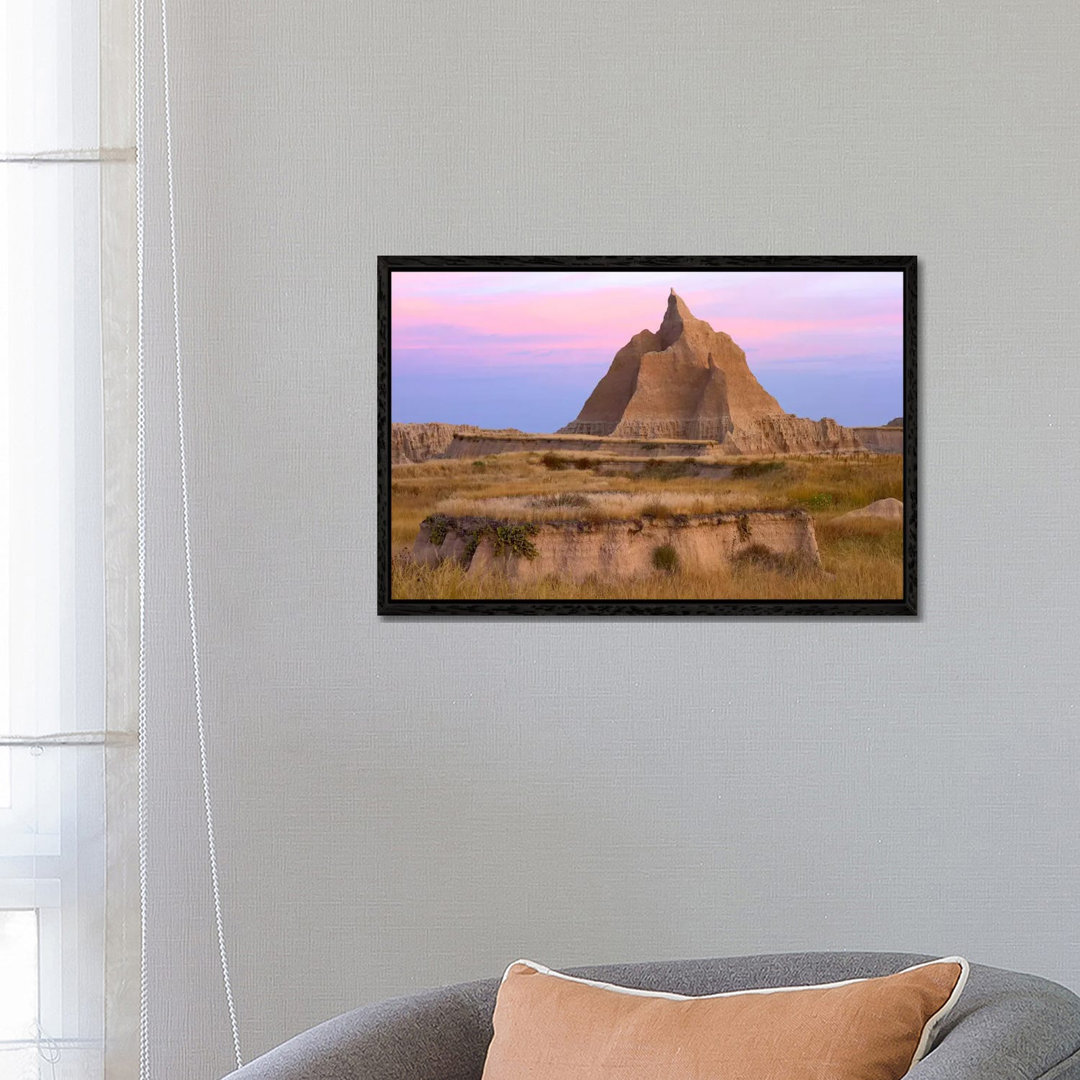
{"x":576,"y":550}
{"x":689,"y":381}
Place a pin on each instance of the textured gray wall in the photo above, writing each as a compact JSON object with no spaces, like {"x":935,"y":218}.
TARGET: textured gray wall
{"x":409,"y":803}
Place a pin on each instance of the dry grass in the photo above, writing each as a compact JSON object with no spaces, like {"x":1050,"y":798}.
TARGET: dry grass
{"x":851,"y":575}
{"x":597,"y":505}
{"x":860,"y":560}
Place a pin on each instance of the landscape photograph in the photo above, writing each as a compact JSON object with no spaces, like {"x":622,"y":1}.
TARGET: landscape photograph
{"x":661,"y":439}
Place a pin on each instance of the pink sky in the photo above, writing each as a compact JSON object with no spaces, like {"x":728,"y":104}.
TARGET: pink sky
{"x":503,"y":325}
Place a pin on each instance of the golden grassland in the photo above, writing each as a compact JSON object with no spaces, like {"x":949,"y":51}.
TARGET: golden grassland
{"x":861,"y":560}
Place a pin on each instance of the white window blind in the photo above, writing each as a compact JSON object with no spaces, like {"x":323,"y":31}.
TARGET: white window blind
{"x":52,"y":801}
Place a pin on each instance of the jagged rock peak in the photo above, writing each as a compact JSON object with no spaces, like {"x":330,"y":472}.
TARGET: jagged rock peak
{"x":676,"y":317}
{"x":686,"y":381}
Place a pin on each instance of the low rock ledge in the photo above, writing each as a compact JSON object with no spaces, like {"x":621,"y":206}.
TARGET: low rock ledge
{"x":616,"y":549}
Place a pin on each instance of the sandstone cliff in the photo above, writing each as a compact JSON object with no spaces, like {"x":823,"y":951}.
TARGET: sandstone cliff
{"x":413,"y":443}
{"x":882,"y":440}
{"x":787,"y":434}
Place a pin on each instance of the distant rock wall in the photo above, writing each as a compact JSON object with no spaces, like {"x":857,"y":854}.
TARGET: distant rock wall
{"x":576,"y":550}
{"x":882,"y":440}
{"x":466,"y":445}
{"x":763,"y":437}
{"x":413,"y":443}
{"x":790,"y":435}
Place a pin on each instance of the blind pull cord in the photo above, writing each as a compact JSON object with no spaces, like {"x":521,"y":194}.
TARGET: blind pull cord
{"x":140,"y":95}
{"x":140,"y":456}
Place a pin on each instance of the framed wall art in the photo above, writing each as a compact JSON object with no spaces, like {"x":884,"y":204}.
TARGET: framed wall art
{"x":651,"y":436}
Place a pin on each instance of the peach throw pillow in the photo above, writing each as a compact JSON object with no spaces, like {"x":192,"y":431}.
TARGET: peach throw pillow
{"x":550,"y":1026}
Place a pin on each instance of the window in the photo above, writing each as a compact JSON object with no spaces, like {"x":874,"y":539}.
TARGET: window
{"x":52,"y":851}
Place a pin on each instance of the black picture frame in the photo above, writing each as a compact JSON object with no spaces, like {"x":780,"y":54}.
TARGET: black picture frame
{"x":907,"y":606}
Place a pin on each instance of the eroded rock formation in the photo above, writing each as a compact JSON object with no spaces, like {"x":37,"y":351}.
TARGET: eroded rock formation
{"x":686,"y":381}
{"x":413,"y":443}
{"x":888,"y":439}
{"x":689,"y":381}
{"x":787,"y":434}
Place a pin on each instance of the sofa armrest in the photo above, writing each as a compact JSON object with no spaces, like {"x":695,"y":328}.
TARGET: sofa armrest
{"x":438,"y":1035}
{"x":1007,"y":1026}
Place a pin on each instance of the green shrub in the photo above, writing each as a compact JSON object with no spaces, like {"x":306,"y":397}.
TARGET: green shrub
{"x":438,"y":527}
{"x":515,"y":539}
{"x":553,"y":461}
{"x":665,"y":558}
{"x":507,"y":538}
{"x":479,"y":465}
{"x":821,"y":501}
{"x":583,"y":463}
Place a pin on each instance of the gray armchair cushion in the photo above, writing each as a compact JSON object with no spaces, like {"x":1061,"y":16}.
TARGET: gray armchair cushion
{"x":1006,"y":1026}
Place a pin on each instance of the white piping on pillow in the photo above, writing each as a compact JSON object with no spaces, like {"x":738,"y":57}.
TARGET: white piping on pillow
{"x":928,"y":1030}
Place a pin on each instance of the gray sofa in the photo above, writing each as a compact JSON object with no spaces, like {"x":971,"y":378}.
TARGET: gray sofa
{"x":1006,"y":1026}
